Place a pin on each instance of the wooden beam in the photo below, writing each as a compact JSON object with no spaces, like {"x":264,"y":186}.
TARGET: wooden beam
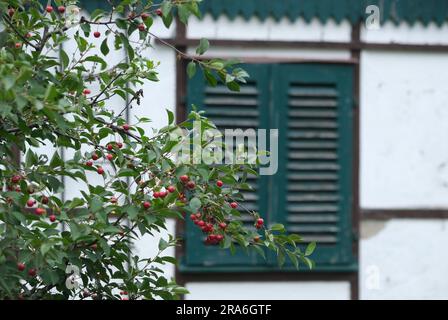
{"x":386,"y":214}
{"x":328,"y":45}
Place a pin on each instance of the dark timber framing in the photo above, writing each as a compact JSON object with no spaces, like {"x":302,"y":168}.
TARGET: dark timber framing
{"x":355,"y":46}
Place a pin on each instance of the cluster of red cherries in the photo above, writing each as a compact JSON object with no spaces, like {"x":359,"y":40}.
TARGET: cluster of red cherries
{"x":110,"y":147}
{"x":31,"y":203}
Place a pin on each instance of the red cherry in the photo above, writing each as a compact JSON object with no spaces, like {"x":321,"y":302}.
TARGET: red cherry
{"x":119,"y":145}
{"x":201,"y":223}
{"x":234,"y":205}
{"x":30,"y":203}
{"x":191,"y":185}
{"x":171,"y":189}
{"x":162,"y":194}
{"x":219,"y":237}
{"x":144,"y":16}
{"x":32,"y":272}
{"x":52,"y":218}
{"x":20,"y":266}
{"x":18,"y":45}
{"x":193,"y":217}
{"x":110,"y":147}
{"x":198,"y":215}
{"x":28,"y":35}
{"x":184,"y":178}
{"x":89,"y":163}
{"x":156,"y":194}
{"x":159,"y":12}
{"x":100,"y":170}
{"x":11,"y":12}
{"x":61,"y":9}
{"x":44,"y":200}
{"x":86,"y":92}
{"x":16,"y":179}
{"x":219,"y":183}
{"x":39,"y":211}
{"x":49,"y":9}
{"x":146,"y":204}
{"x":110,"y":157}
{"x":95,"y":156}
{"x":126,"y":127}
{"x":141,"y":27}
{"x":97,"y":34}
{"x":223,"y":225}
{"x":260,"y":221}
{"x":113,"y":200}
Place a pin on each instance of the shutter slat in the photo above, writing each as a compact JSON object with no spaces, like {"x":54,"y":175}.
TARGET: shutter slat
{"x":313,"y":218}
{"x":305,"y":145}
{"x":312,"y":114}
{"x":313,"y":124}
{"x":312,"y":208}
{"x":312,"y":166}
{"x":313,"y":103}
{"x":230,"y":102}
{"x":312,"y":198}
{"x":297,"y":91}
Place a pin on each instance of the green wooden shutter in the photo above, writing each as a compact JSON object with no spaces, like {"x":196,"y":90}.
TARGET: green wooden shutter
{"x":314,"y":182}
{"x":245,"y":109}
{"x":311,"y":105}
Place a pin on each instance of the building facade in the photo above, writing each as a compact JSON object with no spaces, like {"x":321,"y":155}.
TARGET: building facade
{"x":358,"y":92}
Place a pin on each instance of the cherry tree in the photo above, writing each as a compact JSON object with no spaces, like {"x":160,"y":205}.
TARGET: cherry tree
{"x":47,"y":97}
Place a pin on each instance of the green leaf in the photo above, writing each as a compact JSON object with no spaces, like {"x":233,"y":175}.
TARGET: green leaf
{"x":97,"y":59}
{"x":280,"y":258}
{"x":293,"y":259}
{"x":167,"y":20}
{"x":31,"y":158}
{"x":195,"y":204}
{"x":163,"y":244}
{"x":191,"y":69}
{"x":183,"y":13}
{"x":278,"y":227}
{"x":308,"y":262}
{"x":56,"y":160}
{"x":96,"y":204}
{"x":166,"y":7}
{"x":211,"y":80}
{"x":203,"y":46}
{"x":310,"y":248}
{"x":170,"y":116}
{"x":104,"y":47}
{"x":45,"y":247}
{"x":132,"y":212}
{"x":65,"y":60}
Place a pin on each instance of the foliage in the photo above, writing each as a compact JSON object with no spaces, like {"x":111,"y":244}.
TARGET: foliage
{"x":48,"y":99}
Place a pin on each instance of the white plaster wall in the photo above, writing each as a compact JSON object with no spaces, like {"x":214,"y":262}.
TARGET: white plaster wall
{"x":255,"y":29}
{"x":404,"y":123}
{"x":250,"y":54}
{"x":269,"y":291}
{"x":404,"y":33}
{"x":404,"y":259}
